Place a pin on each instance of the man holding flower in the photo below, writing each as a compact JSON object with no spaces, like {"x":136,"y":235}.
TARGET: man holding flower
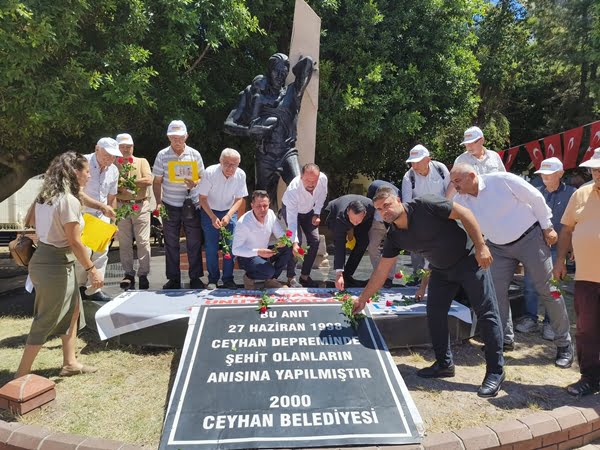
{"x":135,"y":177}
{"x":222,"y":191}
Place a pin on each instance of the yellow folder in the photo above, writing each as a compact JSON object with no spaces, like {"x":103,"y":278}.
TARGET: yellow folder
{"x":96,"y":233}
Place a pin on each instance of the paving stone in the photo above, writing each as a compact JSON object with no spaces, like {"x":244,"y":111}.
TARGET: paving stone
{"x":443,"y":441}
{"x":540,"y":424}
{"x":567,"y":417}
{"x":478,"y":438}
{"x":62,"y":441}
{"x":510,"y":431}
{"x":28,"y":437}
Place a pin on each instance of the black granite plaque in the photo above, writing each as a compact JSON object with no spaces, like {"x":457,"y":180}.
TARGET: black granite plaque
{"x":297,"y":376}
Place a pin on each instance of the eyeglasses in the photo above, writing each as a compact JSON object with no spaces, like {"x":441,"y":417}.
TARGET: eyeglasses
{"x":230,"y":166}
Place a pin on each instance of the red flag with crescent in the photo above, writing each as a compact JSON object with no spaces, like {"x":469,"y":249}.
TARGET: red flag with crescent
{"x":594,"y":141}
{"x":572,"y":140}
{"x":501,"y":153}
{"x":535,"y":152}
{"x":553,"y":147}
{"x":510,"y":158}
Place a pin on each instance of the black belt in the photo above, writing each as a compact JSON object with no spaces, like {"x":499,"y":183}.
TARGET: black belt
{"x":527,"y":231}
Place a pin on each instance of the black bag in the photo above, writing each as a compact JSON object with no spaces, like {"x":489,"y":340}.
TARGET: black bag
{"x":188,"y":211}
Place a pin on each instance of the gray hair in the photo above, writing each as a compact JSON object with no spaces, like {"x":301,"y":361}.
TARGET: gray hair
{"x":230,"y":153}
{"x":385,"y":192}
{"x":463,"y":168}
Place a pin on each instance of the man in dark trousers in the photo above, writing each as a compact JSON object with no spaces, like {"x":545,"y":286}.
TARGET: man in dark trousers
{"x":428,"y":225}
{"x":349,"y":213}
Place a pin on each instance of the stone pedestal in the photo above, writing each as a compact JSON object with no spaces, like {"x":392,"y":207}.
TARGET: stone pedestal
{"x":26,"y":393}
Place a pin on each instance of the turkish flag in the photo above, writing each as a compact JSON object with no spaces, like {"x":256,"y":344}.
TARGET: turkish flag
{"x":501,"y":153}
{"x":594,"y":141}
{"x":553,"y":147}
{"x":535,"y":152}
{"x":572,"y":140}
{"x":510,"y":159}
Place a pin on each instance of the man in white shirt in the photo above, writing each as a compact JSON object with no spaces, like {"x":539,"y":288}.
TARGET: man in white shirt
{"x":483,"y":160}
{"x":515,"y":220}
{"x":302,"y":203}
{"x":251,"y":240}
{"x":102,"y":187}
{"x":222,"y":190}
{"x":424,"y":177}
{"x":172,"y":193}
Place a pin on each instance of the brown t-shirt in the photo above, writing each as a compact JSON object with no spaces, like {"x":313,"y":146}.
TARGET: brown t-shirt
{"x":141,"y":170}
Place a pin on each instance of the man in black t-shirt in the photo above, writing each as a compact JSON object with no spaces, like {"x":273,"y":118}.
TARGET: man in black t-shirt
{"x":428,"y":225}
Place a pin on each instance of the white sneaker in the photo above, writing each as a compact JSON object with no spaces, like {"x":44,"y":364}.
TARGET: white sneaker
{"x":547,"y":332}
{"x":526,"y":325}
{"x":211,"y":286}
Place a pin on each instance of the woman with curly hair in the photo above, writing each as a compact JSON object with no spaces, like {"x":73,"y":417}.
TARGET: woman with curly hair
{"x":58,"y":221}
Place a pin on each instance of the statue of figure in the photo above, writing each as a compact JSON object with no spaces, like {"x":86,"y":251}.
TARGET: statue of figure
{"x":268,"y":111}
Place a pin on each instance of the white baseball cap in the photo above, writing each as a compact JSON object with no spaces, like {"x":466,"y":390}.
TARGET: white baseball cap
{"x":471,"y":135}
{"x":594,"y":161}
{"x":550,"y":166}
{"x":124,"y":139}
{"x":417,"y":153}
{"x":110,"y":145}
{"x":177,"y":128}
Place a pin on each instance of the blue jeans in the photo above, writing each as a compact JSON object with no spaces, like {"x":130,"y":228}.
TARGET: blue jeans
{"x":211,"y":247}
{"x":258,"y":268}
{"x":530,"y":295}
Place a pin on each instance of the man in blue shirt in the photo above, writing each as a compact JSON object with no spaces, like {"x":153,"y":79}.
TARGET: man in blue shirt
{"x":557,"y":195}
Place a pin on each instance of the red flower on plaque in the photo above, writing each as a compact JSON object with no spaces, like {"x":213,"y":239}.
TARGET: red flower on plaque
{"x":398,"y":275}
{"x":135,"y":207}
{"x":263,"y":309}
{"x":368,"y":300}
{"x":120,"y":160}
{"x":389,"y":303}
{"x":227,"y":256}
{"x":555,"y":294}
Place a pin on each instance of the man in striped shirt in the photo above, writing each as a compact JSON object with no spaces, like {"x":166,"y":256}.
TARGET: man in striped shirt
{"x":172,"y":185}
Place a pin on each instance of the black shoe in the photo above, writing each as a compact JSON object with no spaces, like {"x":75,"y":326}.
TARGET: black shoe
{"x":82,"y":293}
{"x":583,"y":387}
{"x":491,"y":384}
{"x":388,"y":284}
{"x":128,"y":282}
{"x":144,"y":284}
{"x":229,"y":284}
{"x":564,"y":357}
{"x":172,"y":284}
{"x":437,"y":371}
{"x":308,"y":282}
{"x":350,"y":282}
{"x":99,"y":297}
{"x":196,"y":283}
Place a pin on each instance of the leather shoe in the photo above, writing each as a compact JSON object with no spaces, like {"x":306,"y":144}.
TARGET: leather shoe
{"x":128,"y":282}
{"x":437,"y":371}
{"x":229,"y":284}
{"x":172,"y":284}
{"x":564,"y":357}
{"x":99,"y":297}
{"x":144,"y":284}
{"x":82,"y":290}
{"x":491,"y":384}
{"x":196,"y":283}
{"x":583,"y":387}
{"x":352,"y":282}
{"x":308,"y":282}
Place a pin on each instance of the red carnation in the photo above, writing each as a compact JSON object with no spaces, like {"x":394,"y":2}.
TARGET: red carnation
{"x":263,"y":309}
{"x":399,"y":275}
{"x":227,"y":256}
{"x":288,"y":233}
{"x":120,"y":160}
{"x":555,"y":294}
{"x":156,"y":213}
{"x":130,"y":159}
{"x":135,"y":207}
{"x":368,"y":300}
{"x":389,"y":303}
{"x":301,"y":251}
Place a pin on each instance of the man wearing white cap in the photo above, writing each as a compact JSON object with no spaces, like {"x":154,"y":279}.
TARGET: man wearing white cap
{"x":102,"y":187}
{"x":557,"y":195}
{"x":483,"y":160}
{"x":138,"y":224}
{"x":515,"y":221}
{"x":424,"y":177}
{"x":173,"y":191}
{"x":581,"y":222}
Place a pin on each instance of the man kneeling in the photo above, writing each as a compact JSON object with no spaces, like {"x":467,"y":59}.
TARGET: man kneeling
{"x":428,"y":225}
{"x":251,"y":241}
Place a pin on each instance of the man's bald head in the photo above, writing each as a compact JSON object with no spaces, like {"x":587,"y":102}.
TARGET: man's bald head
{"x":464,"y":179}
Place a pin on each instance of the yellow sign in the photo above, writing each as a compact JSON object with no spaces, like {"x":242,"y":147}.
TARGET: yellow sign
{"x":180,"y":170}
{"x":96,"y":233}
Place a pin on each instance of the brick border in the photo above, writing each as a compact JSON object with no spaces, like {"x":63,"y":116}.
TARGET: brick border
{"x":560,"y":429}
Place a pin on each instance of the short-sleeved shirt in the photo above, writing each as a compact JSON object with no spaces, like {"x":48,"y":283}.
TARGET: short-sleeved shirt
{"x":101,"y":184}
{"x":141,"y":169}
{"x":174,"y":193}
{"x":431,"y":232}
{"x":490,"y":163}
{"x":583,"y":213}
{"x":220,"y":190}
{"x":50,"y":219}
{"x":432,"y":183}
{"x":557,"y":201}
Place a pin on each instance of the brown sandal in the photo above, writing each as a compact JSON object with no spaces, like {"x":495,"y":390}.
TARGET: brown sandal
{"x":69,"y":372}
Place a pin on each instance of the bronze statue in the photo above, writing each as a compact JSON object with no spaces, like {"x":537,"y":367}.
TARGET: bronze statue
{"x":268,"y":111}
